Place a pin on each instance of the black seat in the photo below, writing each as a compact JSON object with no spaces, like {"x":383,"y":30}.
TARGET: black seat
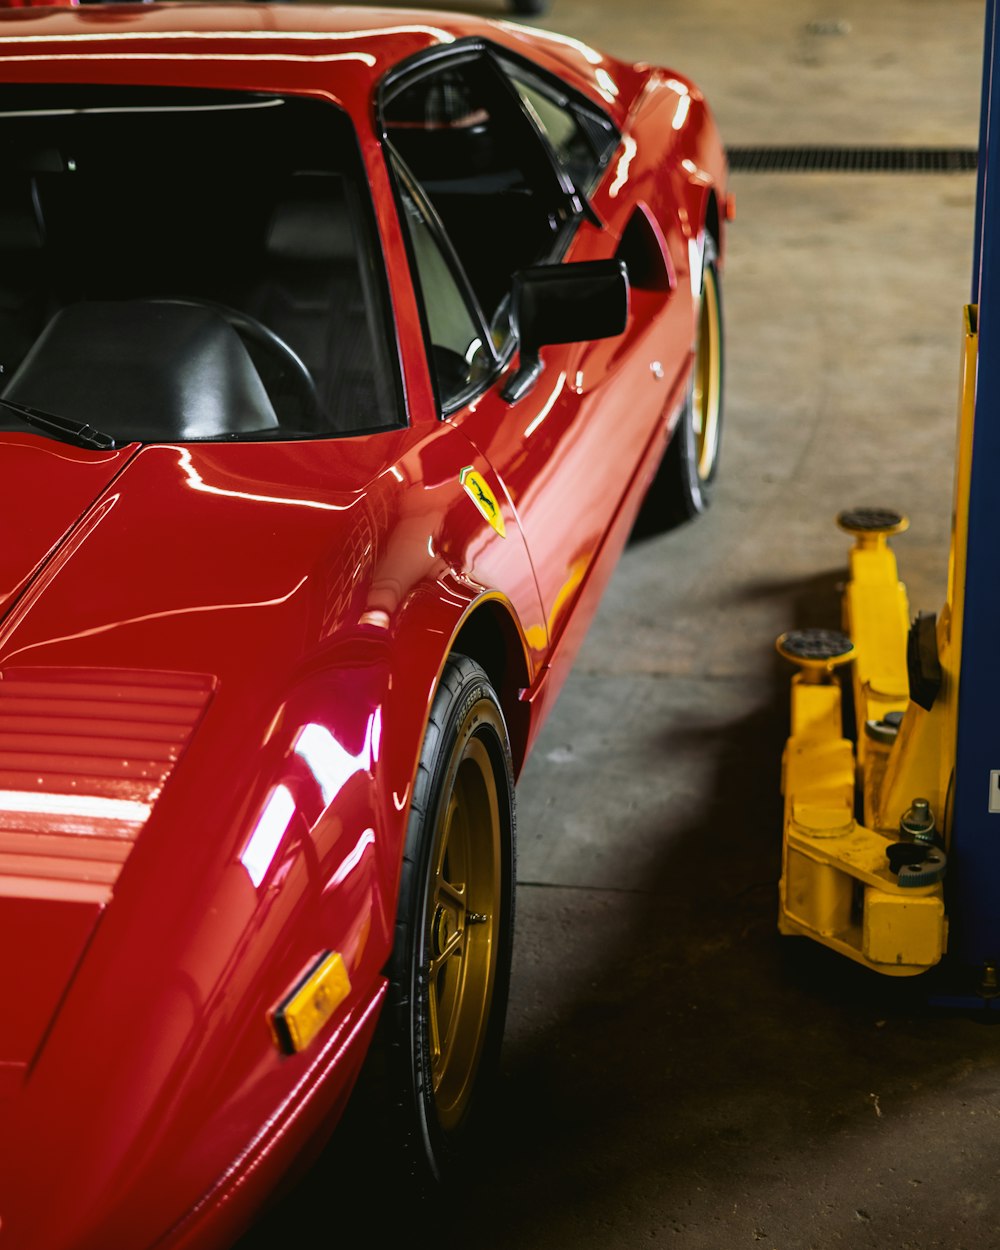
{"x":311,"y":294}
{"x":22,"y":290}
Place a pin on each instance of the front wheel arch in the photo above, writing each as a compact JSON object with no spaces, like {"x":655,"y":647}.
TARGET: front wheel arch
{"x":490,"y":636}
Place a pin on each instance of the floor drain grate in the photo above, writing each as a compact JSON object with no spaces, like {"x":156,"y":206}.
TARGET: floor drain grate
{"x":800,"y":160}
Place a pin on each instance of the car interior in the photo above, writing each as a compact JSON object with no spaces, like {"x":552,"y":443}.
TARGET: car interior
{"x":239,"y":220}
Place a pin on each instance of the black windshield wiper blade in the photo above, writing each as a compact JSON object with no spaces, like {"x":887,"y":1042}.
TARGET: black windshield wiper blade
{"x":78,"y":432}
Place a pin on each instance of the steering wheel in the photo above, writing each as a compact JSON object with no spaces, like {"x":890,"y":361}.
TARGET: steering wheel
{"x":255,"y":333}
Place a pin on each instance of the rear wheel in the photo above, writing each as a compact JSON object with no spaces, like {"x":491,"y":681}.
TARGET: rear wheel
{"x":682,"y":488}
{"x":450,"y":967}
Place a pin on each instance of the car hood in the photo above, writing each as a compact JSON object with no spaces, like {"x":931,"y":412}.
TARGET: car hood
{"x":47,"y":488}
{"x":163,"y":604}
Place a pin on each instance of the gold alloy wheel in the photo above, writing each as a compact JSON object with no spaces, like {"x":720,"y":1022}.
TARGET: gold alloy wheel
{"x":462,"y":914}
{"x":707,"y":378}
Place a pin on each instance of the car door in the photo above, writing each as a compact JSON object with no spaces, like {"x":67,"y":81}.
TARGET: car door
{"x":483,"y":195}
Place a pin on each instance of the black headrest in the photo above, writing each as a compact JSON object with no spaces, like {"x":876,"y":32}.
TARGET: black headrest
{"x":20,"y":229}
{"x":311,"y":221}
{"x":146,"y":370}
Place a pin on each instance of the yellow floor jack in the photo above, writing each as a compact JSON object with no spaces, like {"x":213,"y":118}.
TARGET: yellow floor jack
{"x":865,"y":820}
{"x":867,"y":823}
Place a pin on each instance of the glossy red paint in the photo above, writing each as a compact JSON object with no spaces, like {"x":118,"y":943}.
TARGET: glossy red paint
{"x":178,"y":623}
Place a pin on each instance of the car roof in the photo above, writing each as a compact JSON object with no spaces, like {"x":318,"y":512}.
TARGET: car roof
{"x":373,"y":39}
{"x":298,"y":30}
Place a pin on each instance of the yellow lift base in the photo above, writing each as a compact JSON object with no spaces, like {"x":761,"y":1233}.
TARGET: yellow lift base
{"x":866,"y":822}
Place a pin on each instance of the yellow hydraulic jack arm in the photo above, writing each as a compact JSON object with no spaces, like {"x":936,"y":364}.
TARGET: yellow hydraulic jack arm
{"x":867,"y":820}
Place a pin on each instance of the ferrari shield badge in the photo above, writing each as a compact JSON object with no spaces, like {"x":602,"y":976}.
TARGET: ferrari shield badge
{"x":484,"y":499}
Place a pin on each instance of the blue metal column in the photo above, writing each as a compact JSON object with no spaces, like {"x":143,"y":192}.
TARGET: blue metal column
{"x":989,"y":55}
{"x":974,"y":885}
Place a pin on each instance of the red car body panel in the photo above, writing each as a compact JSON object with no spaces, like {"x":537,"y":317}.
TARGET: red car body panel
{"x":175,"y":618}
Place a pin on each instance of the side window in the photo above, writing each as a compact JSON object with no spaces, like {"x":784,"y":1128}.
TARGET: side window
{"x":463,"y":135}
{"x":459,"y":357}
{"x":582,"y":138}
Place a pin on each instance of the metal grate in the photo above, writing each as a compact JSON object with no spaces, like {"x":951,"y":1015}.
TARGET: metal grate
{"x":802,"y":160}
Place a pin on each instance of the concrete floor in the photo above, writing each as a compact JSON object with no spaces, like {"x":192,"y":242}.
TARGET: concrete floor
{"x":675,"y":1073}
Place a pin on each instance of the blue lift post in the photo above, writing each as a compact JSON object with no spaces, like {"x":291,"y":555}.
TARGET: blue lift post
{"x":974,"y":876}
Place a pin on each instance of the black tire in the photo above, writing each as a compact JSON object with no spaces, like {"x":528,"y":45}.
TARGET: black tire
{"x":529,"y":8}
{"x":682,"y":487}
{"x":450,"y":968}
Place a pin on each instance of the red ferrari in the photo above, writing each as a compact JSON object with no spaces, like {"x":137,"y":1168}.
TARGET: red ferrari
{"x":338,"y":351}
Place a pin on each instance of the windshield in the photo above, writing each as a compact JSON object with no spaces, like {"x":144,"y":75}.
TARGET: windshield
{"x":189,"y":265}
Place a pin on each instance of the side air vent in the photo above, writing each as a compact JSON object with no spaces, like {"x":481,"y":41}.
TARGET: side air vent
{"x":641,"y":252}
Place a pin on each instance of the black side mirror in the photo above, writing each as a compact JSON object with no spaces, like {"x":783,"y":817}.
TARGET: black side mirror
{"x":564,"y":304}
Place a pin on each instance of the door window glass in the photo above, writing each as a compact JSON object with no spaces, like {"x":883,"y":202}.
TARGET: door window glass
{"x":459,"y":357}
{"x":464,"y":137}
{"x":582,"y":137}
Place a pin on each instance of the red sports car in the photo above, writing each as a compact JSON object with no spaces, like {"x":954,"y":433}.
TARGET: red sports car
{"x":338,"y":351}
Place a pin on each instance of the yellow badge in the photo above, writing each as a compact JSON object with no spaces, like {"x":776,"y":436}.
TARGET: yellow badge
{"x":483,"y":498}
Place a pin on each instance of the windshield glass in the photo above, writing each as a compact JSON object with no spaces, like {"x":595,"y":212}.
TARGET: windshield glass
{"x":190,"y":265}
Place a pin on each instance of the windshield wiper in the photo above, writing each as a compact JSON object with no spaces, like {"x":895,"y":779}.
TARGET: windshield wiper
{"x":78,"y":432}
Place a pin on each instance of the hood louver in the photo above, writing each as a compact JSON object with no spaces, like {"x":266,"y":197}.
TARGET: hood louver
{"x":84,"y":755}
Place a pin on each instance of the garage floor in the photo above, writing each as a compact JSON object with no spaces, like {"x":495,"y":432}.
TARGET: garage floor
{"x":677,"y":1075}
